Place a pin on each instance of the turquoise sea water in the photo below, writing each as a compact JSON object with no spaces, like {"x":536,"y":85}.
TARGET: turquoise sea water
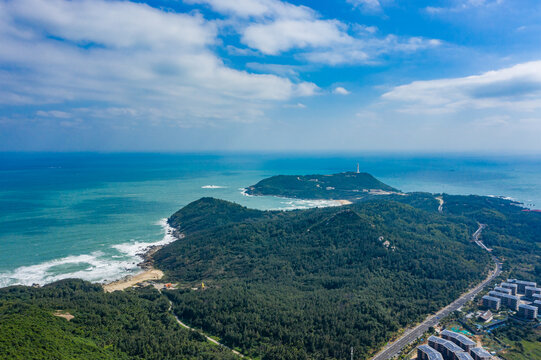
{"x":89,"y":215}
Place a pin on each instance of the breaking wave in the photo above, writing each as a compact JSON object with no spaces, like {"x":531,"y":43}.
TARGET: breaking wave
{"x":97,"y":266}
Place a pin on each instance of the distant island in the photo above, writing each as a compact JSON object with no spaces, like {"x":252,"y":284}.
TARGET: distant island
{"x":342,"y":186}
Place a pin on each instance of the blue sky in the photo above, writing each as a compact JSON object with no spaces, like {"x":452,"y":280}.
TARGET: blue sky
{"x":270,"y":75}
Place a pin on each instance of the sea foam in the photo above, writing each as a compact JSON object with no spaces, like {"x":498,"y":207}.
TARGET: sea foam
{"x":97,"y":266}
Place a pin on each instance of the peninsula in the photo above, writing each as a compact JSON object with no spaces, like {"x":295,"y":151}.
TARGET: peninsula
{"x":350,"y":186}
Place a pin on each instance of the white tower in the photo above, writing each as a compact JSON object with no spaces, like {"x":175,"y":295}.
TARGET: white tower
{"x":358,"y":168}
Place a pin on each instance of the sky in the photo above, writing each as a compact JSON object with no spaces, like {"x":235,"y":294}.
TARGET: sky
{"x":270,"y":75}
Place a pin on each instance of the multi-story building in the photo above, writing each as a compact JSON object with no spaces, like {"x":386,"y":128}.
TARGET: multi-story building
{"x":537,"y":304}
{"x":479,"y":353}
{"x":512,"y":287}
{"x":531,"y":291}
{"x":461,"y":340}
{"x":463,"y":356}
{"x":510,"y":301}
{"x":491,"y":302}
{"x":503,"y":290}
{"x":521,"y":284}
{"x":425,"y":352}
{"x":527,"y":312}
{"x":536,"y":296}
{"x":448,"y":349}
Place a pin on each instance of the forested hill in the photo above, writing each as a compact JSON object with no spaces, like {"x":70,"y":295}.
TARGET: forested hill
{"x":312,"y":283}
{"x":128,"y":325}
{"x":342,"y":186}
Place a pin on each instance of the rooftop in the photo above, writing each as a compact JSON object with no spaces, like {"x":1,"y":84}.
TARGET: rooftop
{"x":522,"y":282}
{"x":480,"y":351}
{"x":463,"y":356}
{"x":462,"y":338}
{"x":529,"y":307}
{"x":432,"y":353}
{"x":504,"y":295}
{"x":492,"y":298}
{"x":451,"y":346}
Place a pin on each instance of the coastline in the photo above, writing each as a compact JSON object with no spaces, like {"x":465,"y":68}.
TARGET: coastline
{"x":131,"y":280}
{"x":149,"y":273}
{"x":336,"y":202}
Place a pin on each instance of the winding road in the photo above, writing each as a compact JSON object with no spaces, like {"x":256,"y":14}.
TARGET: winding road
{"x":412,"y":334}
{"x":195,"y":330}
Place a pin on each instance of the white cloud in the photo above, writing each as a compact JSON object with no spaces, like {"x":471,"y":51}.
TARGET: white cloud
{"x":462,"y":5}
{"x":341,"y":91}
{"x":368,"y":50}
{"x":370,"y":6}
{"x":127,"y":55}
{"x":282,"y":35}
{"x":257,"y":8}
{"x":54,"y":113}
{"x":516,"y":89}
{"x":275,"y":27}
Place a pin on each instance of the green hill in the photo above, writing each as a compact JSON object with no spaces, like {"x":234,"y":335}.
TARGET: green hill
{"x":313,"y":283}
{"x":342,"y":186}
{"x":133,"y":325}
{"x":304,"y":284}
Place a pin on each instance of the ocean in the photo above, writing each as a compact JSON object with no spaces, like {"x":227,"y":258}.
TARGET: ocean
{"x":89,"y":215}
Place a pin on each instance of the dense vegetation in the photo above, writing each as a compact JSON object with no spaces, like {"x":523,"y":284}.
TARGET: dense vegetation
{"x":123,"y":325}
{"x":345,"y":186}
{"x":313,"y":283}
{"x":524,"y":341}
{"x":512,"y":233}
{"x":284,"y":285}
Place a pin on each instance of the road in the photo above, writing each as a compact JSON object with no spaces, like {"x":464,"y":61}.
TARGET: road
{"x":207,"y":337}
{"x":440,"y":207}
{"x":410,"y":335}
{"x":476,"y":236}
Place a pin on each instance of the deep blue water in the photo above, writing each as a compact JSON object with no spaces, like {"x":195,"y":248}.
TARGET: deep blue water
{"x":87,"y":215}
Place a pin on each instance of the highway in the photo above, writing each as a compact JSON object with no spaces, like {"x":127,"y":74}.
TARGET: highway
{"x":412,"y":334}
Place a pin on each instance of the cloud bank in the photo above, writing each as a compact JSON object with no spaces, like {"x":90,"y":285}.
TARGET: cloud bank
{"x":517,"y":88}
{"x":158,"y":64}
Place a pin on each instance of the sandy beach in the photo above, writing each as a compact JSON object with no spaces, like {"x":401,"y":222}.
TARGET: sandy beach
{"x":344,"y":202}
{"x":150,"y":274}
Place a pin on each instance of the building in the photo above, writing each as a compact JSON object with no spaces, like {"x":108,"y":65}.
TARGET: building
{"x":425,"y":352}
{"x":536,"y":296}
{"x":487,"y":315}
{"x":463,"y":356}
{"x":537,"y":304}
{"x":512,"y":287}
{"x":521,"y":284}
{"x":527,"y":312}
{"x":448,"y":349}
{"x":531,"y":291}
{"x":491,"y":302}
{"x":461,"y":340}
{"x":480,"y":354}
{"x":511,"y":301}
{"x":503,"y":290}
